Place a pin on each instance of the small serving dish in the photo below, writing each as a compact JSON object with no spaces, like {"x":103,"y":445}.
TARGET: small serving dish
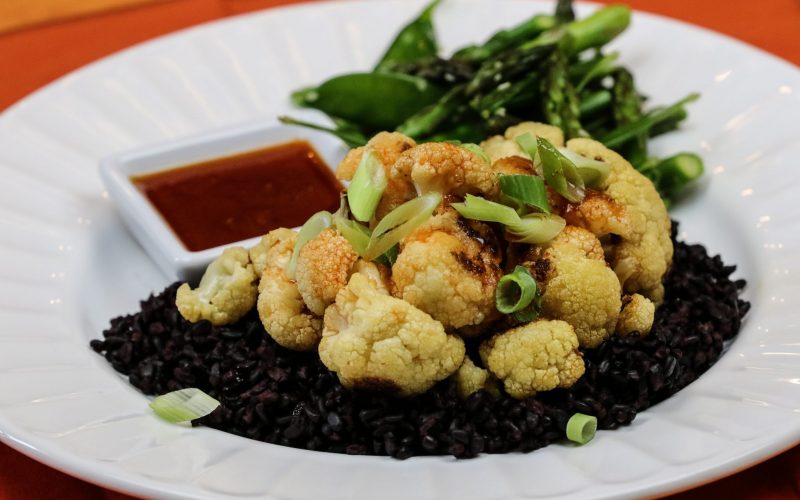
{"x":156,"y":230}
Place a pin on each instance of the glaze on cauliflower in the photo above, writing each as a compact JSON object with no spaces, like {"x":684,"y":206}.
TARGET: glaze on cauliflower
{"x":280,"y":306}
{"x":641,"y":259}
{"x":447,"y":169}
{"x":274,"y":249}
{"x":637,"y":315}
{"x":449,"y":268}
{"x":323,"y":266}
{"x":226,"y":291}
{"x":578,"y":286}
{"x":375,"y":341}
{"x":388,"y":146}
{"x":534,"y":357}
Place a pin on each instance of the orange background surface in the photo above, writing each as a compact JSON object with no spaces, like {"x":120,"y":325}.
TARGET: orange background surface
{"x":33,"y":56}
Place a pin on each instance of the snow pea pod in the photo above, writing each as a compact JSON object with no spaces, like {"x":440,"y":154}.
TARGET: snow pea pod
{"x":416,"y":41}
{"x":372,"y":101}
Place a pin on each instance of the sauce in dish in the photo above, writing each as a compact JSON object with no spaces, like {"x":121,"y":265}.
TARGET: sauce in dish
{"x":238,"y":197}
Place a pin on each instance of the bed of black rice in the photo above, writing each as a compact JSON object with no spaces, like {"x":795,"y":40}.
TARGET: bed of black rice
{"x":280,"y":396}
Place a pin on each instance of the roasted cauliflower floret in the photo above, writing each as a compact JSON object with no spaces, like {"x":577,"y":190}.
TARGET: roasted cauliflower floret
{"x":534,"y":357}
{"x":470,"y":378}
{"x":323,"y":266}
{"x":280,"y":306}
{"x":274,"y":249}
{"x":447,"y":169}
{"x":503,"y":146}
{"x":513,"y":165}
{"x":637,"y":315}
{"x":449,"y":268}
{"x":600,"y":215}
{"x":641,"y":259}
{"x":284,"y":314}
{"x":375,"y":341}
{"x":388,"y":146}
{"x":578,"y":286}
{"x":226,"y":291}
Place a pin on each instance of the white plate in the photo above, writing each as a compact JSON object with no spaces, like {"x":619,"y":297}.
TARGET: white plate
{"x":67,"y":264}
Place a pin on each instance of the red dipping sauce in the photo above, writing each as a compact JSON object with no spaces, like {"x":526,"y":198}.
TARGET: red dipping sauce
{"x":238,"y":197}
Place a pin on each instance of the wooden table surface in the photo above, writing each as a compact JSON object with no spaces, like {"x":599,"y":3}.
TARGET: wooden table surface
{"x":41,"y":40}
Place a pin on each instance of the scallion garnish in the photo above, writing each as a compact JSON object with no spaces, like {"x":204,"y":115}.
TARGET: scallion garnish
{"x":592,"y":172}
{"x":367,"y":186}
{"x":515,"y":291}
{"x":477,"y":150}
{"x":559,"y":172}
{"x":477,"y":208}
{"x":528,"y":189}
{"x":581,"y":428}
{"x":528,"y":144}
{"x":399,"y":223}
{"x":535,"y":228}
{"x":317,"y":223}
{"x":184,"y":405}
{"x":356,"y":234}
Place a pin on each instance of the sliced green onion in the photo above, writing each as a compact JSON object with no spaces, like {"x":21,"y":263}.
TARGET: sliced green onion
{"x":184,"y":405}
{"x":535,"y":228}
{"x":559,"y":172}
{"x":529,"y":189}
{"x":356,"y":234}
{"x":317,"y":223}
{"x":367,"y":186}
{"x":477,"y":150}
{"x":529,"y":145}
{"x":399,"y":223}
{"x":389,"y":257}
{"x":477,"y":208}
{"x":581,"y":428}
{"x":593,"y":172}
{"x":515,"y":291}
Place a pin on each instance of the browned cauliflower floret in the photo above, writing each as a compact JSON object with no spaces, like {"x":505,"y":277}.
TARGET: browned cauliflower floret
{"x":323,"y":266}
{"x":578,"y":286}
{"x":599,"y":214}
{"x":284,"y":314}
{"x":447,"y":169}
{"x":449,"y":268}
{"x":388,"y":146}
{"x":280,"y":305}
{"x":636,"y":316}
{"x":534,"y":357}
{"x":513,"y":165}
{"x":226,"y":291}
{"x":375,"y":341}
{"x":274,"y":249}
{"x":503,"y":146}
{"x":641,"y":259}
{"x":470,"y":378}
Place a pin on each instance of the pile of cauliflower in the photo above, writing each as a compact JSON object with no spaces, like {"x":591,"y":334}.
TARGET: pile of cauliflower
{"x":401,"y":328}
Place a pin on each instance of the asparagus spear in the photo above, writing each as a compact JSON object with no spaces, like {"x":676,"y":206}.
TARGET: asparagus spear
{"x":627,"y":109}
{"x":559,"y":101}
{"x":647,"y":122}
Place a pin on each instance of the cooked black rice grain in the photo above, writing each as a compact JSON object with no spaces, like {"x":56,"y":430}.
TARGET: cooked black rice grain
{"x":279,"y":396}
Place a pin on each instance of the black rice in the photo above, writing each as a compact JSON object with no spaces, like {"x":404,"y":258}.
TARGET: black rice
{"x":279,"y":396}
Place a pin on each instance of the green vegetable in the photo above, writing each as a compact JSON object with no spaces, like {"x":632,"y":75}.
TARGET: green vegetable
{"x":476,"y":150}
{"x":515,"y":291}
{"x":184,"y":405}
{"x":356,"y":234}
{"x":353,"y":138}
{"x":506,"y":39}
{"x":594,"y":102}
{"x":374,"y":101}
{"x":315,"y":224}
{"x":564,"y":11}
{"x":426,"y":120}
{"x":645,"y":123}
{"x":627,"y":109}
{"x":535,"y":229}
{"x":477,"y":208}
{"x":598,"y":29}
{"x":672,"y":174}
{"x":399,"y":223}
{"x":592,"y":172}
{"x":600,"y":67}
{"x":559,"y":99}
{"x":581,"y":428}
{"x":527,"y":189}
{"x":415,"y":41}
{"x":365,"y":190}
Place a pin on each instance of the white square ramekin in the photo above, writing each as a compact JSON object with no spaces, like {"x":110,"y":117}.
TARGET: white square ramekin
{"x":147,"y":224}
